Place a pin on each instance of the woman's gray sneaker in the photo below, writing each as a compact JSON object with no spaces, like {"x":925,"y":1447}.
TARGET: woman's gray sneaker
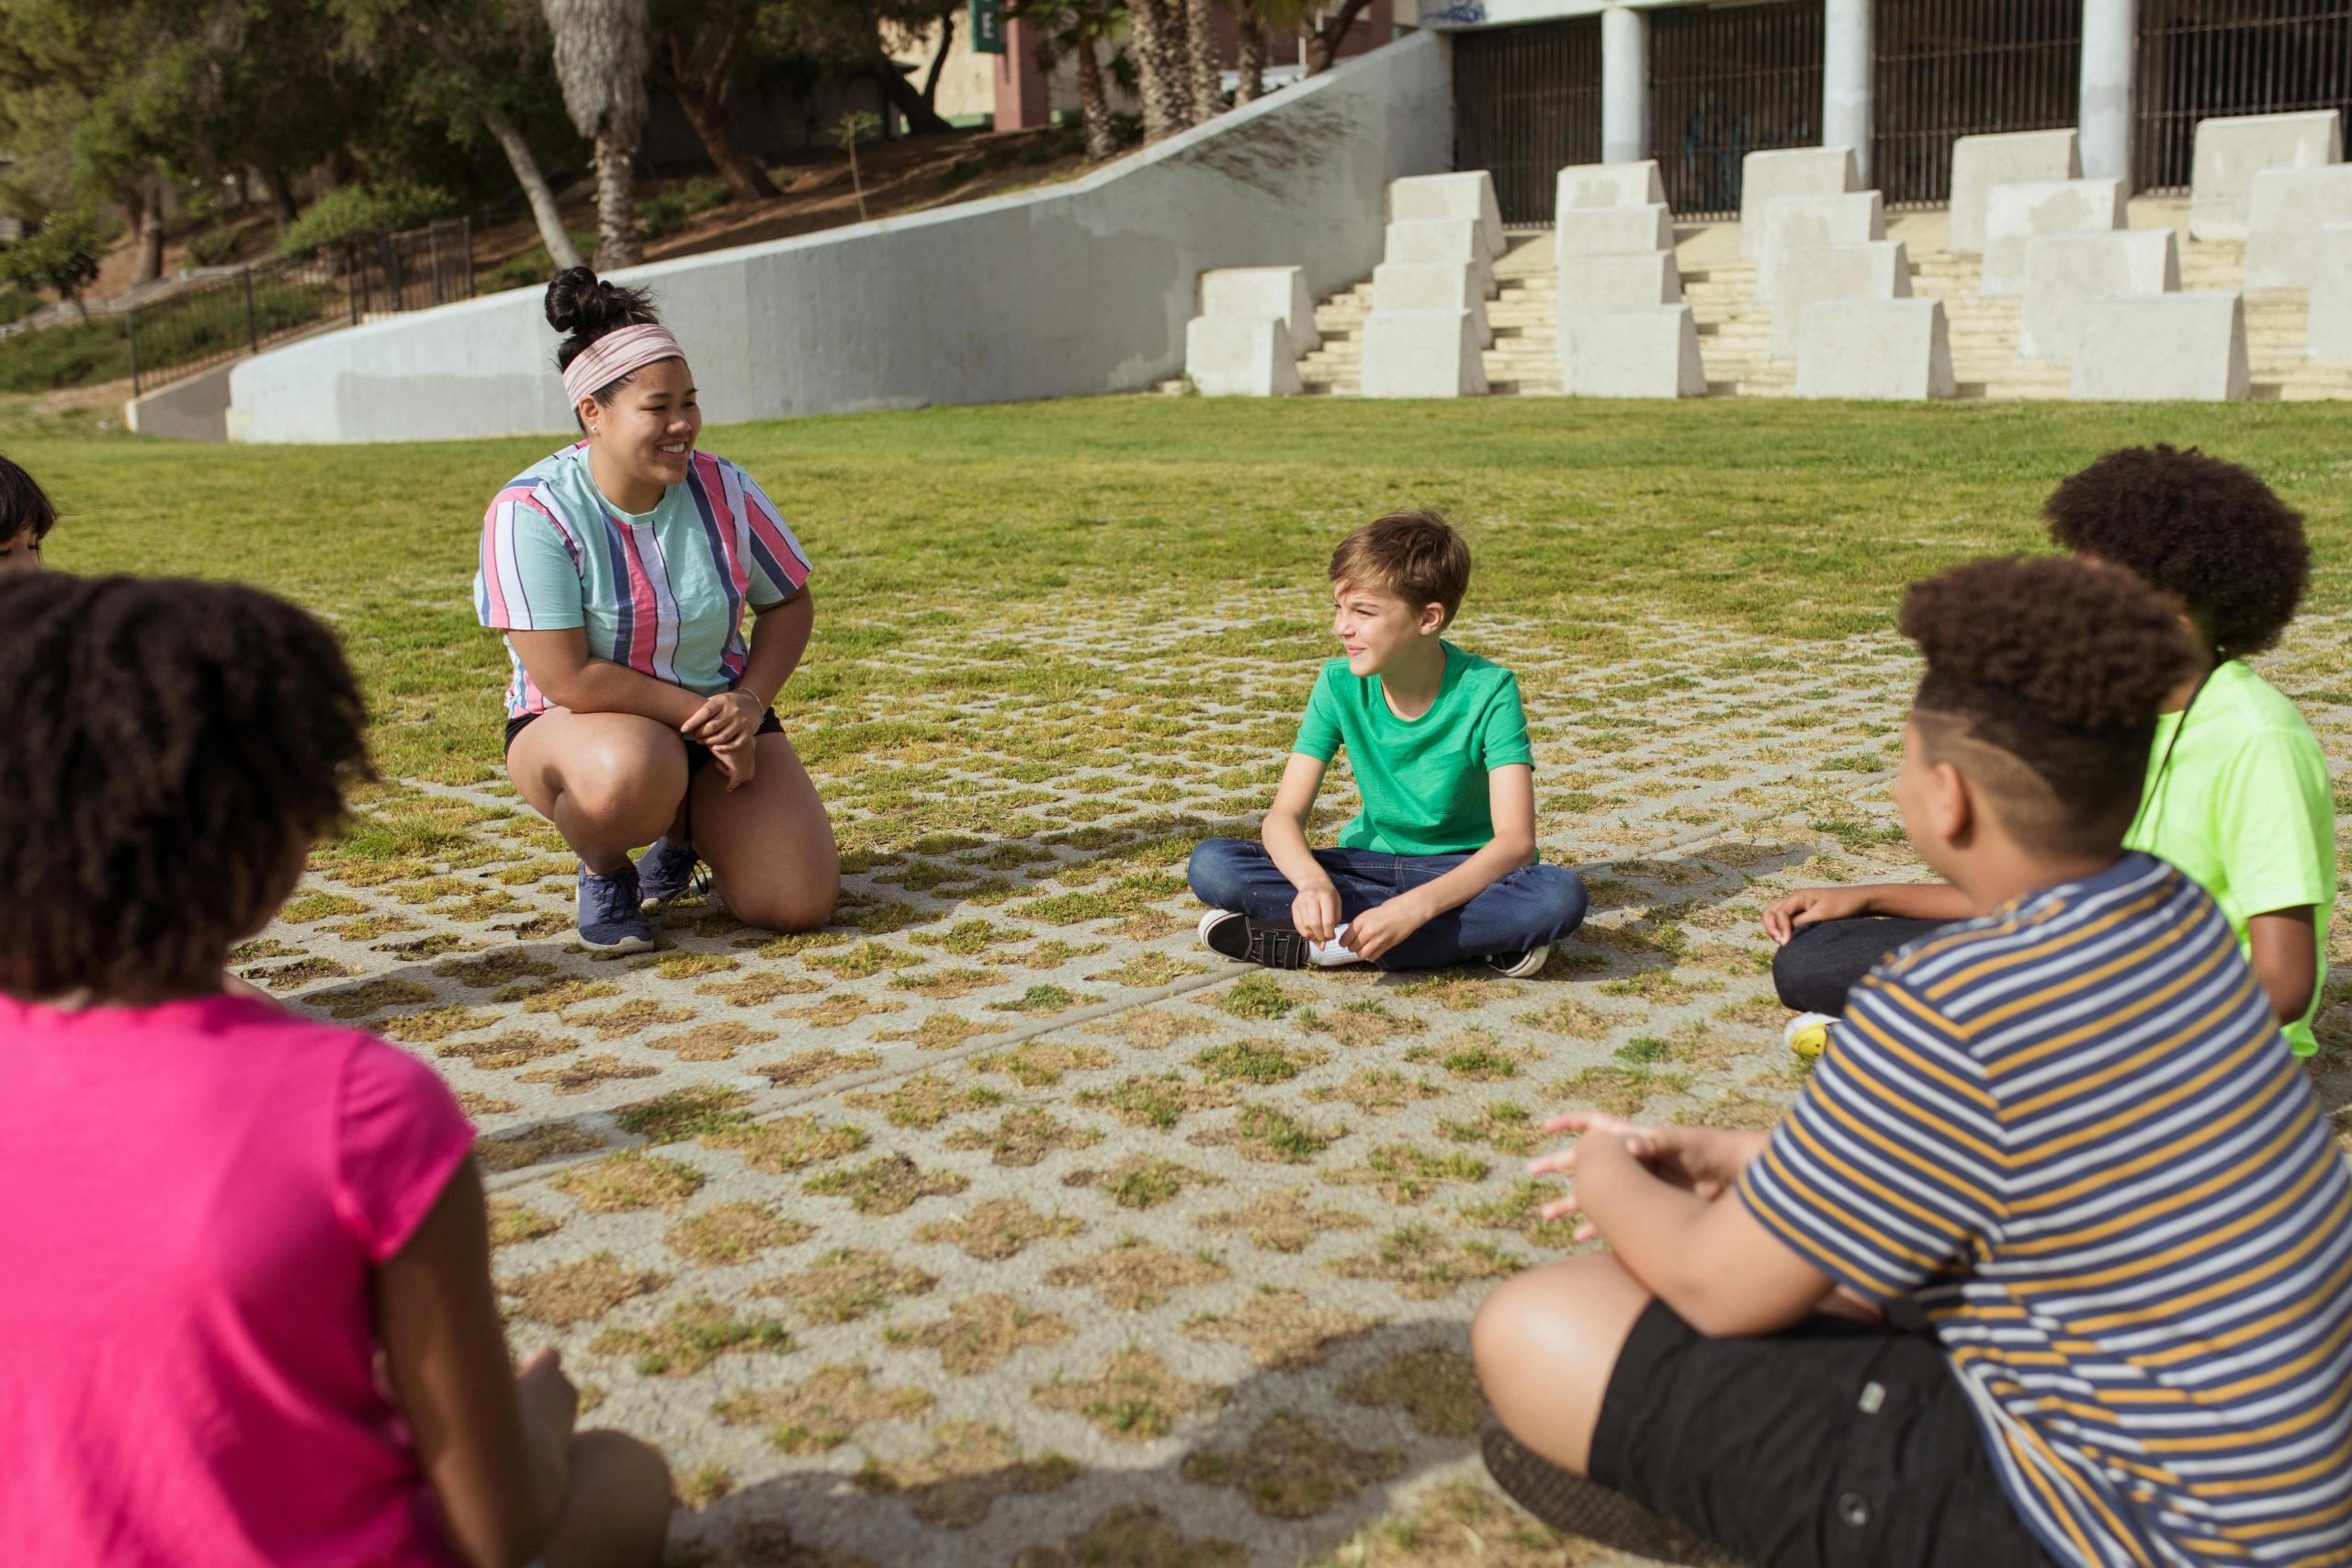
{"x":611,"y":917}
{"x":665,"y":871}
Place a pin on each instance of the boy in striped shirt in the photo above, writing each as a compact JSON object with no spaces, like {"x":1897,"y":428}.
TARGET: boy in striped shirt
{"x":2051,"y":1261}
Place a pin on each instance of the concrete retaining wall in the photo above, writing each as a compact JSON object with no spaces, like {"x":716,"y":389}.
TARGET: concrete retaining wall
{"x":1084,"y":287}
{"x":193,"y":410}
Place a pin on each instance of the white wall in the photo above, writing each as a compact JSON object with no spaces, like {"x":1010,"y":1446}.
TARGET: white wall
{"x":1079,"y":289}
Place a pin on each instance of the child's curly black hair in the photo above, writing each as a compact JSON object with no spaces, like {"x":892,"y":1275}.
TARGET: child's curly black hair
{"x":171,"y":748}
{"x":24,"y":506}
{"x":2207,"y":532}
{"x":2044,"y":678}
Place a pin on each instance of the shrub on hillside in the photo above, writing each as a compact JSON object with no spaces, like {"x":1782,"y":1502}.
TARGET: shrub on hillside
{"x":215,"y":247}
{"x":16,"y":303}
{"x":352,"y":211}
{"x":532,"y":268}
{"x":662,"y":215}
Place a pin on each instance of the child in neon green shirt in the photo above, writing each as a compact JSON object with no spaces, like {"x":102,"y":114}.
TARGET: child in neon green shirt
{"x":2238,"y":794}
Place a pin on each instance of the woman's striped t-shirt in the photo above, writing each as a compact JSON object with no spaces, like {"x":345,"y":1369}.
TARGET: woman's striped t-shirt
{"x":2072,"y":1131}
{"x":662,"y":591}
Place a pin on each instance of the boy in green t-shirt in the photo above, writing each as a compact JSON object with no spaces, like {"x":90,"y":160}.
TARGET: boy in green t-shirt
{"x":2237,"y":793}
{"x":1440,"y":867}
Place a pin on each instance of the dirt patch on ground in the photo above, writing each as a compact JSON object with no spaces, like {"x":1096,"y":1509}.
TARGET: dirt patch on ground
{"x":589,"y":1072}
{"x":711,"y":1041}
{"x":1135,"y":1276}
{"x":998,"y":1229}
{"x":1290,"y":1469}
{"x":980,"y":1332}
{"x":696,"y":1334}
{"x":1437,"y":1387}
{"x":845,"y":1284}
{"x":579,"y":1291}
{"x":631,"y":1181}
{"x":1282,"y":1328}
{"x":1282,"y":1221}
{"x":970,"y":1465}
{"x":821,"y":1410}
{"x":804,"y":1068}
{"x":534,"y":1145}
{"x":890,"y":1184}
{"x":510,"y":1049}
{"x":734,"y":1233}
{"x":1135,"y":1398}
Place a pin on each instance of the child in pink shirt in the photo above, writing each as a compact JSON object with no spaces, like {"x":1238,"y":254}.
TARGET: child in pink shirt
{"x":248,"y":1317}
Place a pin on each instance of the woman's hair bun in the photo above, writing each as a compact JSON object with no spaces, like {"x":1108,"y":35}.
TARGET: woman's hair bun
{"x":585,"y":307}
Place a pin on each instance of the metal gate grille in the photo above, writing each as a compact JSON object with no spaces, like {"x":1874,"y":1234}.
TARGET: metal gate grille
{"x":1726,"y":83}
{"x":1954,"y":68}
{"x":1527,"y":103}
{"x":2202,"y":58}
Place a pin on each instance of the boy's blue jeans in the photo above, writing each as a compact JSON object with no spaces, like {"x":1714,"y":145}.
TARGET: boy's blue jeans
{"x":1525,"y":908}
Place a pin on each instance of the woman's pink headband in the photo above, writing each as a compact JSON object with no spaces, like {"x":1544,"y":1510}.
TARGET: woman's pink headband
{"x":615,"y":355}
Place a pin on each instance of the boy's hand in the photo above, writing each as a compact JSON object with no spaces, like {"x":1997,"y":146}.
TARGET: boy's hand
{"x":1382,"y":926}
{"x":1811,"y":906}
{"x":1316,"y":912}
{"x":1706,"y":1161}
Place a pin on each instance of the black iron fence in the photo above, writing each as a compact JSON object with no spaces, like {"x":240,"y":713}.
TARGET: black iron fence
{"x":2204,"y":58}
{"x":1527,"y":104}
{"x":271,"y":302}
{"x":1727,"y":82}
{"x":1952,"y":68}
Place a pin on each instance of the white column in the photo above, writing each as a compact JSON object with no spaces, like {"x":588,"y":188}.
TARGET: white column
{"x":2110,"y":38}
{"x":1848,"y":59}
{"x":1624,"y":85}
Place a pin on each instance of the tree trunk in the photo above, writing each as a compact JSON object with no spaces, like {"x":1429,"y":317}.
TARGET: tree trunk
{"x":544,"y":211}
{"x":1162,"y":71}
{"x":1094,"y":104}
{"x":1324,"y":39}
{"x":939,"y":59}
{"x":145,"y":211}
{"x":616,"y":242}
{"x":1200,"y":38}
{"x":703,"y":97}
{"x":899,"y":93}
{"x":281,"y":200}
{"x":1251,"y":64}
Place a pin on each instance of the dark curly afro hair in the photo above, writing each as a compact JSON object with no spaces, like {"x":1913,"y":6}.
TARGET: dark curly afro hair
{"x":171,"y":750}
{"x":2207,"y":532}
{"x":2043,"y":681}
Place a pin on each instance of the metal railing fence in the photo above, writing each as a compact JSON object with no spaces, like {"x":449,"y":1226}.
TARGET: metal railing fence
{"x":1527,"y":104}
{"x":1952,"y":68}
{"x":1727,"y":82}
{"x":2204,"y":58}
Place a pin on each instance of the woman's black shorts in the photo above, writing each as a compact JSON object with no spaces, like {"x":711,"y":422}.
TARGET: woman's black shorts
{"x":697,"y":754}
{"x":1834,"y":1444}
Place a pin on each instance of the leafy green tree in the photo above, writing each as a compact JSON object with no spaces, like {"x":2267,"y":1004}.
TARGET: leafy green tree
{"x":700,"y":47}
{"x":1079,"y":30}
{"x":61,"y":255}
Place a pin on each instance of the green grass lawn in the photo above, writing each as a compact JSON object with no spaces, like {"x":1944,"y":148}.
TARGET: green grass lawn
{"x":1790,"y":522}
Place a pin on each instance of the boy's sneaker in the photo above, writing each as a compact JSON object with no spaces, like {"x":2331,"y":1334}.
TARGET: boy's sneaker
{"x":611,"y":918}
{"x":1569,"y":1503}
{"x":1807,"y":1033}
{"x":1273,"y":944}
{"x":1520,"y":965}
{"x":665,"y":871}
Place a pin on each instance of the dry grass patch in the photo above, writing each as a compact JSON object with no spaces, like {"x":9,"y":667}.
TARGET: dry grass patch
{"x":941,"y":1031}
{"x":1376,"y":1091}
{"x":696,"y":1334}
{"x":513,"y":1221}
{"x":1024,"y":1137}
{"x":804,"y":1068}
{"x":925,"y":1100}
{"x":1425,"y":1266}
{"x":433,"y":1023}
{"x":710,"y":1041}
{"x":1262,"y":1134}
{"x":970,"y":1465}
{"x":980,"y":1332}
{"x":786,"y":1143}
{"x":1465,"y":1524}
{"x":1160,"y":1102}
{"x":1134,"y":1399}
{"x":631,"y":1181}
{"x":734,"y":1233}
{"x":625,"y":1018}
{"x":1281,"y":1329}
{"x":493,"y":970}
{"x":845,"y":1284}
{"x":1359,"y":1023}
{"x":1573,"y":1019}
{"x":1040,"y":1064}
{"x":534,"y":1145}
{"x":349,"y":1002}
{"x":1437,"y":1387}
{"x":843,"y":1009}
{"x":1521,"y":1210}
{"x":587,"y":1072}
{"x":512,"y":1048}
{"x":998,"y":1229}
{"x":890,"y":1184}
{"x":1282,"y":1221}
{"x":1290,"y":1469}
{"x":1135,"y":1535}
{"x":581,"y":1290}
{"x":1506,"y":1128}
{"x":1150,"y":1028}
{"x":947,"y":985}
{"x":1142,"y":1181}
{"x":821,"y":1410}
{"x":759,"y":990}
{"x":1135,"y":1275}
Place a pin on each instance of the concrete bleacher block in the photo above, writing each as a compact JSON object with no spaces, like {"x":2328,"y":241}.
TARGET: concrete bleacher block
{"x":1980,"y":163}
{"x":1423,"y":242}
{"x":1765,"y":177}
{"x":1896,"y":349}
{"x":1252,"y":293}
{"x":1421,"y":354}
{"x":2329,"y":335}
{"x":2284,"y":217}
{"x":1470,"y":195}
{"x":1620,"y":282}
{"x":1613,"y":230}
{"x":1609,"y":185}
{"x":1229,"y":356}
{"x":2064,"y":270}
{"x":2161,"y":347}
{"x":1808,"y":222}
{"x":1432,"y":286}
{"x":2014,"y":214}
{"x":1877,"y":269}
{"x":2230,"y":152}
{"x":1649,"y":351}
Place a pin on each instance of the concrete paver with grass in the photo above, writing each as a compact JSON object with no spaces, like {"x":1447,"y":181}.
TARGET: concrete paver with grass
{"x":998,"y":1223}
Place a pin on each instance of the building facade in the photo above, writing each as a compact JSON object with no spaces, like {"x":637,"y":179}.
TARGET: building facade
{"x":1542,"y":84}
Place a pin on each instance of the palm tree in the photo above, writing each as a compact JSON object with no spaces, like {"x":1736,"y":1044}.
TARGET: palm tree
{"x":1075,"y":28}
{"x":1164,"y":65}
{"x":1258,"y":19}
{"x":600,"y":61}
{"x":1200,"y":36}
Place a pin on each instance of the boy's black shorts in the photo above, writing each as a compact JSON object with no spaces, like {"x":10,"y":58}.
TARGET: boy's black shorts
{"x":1835,"y":1444}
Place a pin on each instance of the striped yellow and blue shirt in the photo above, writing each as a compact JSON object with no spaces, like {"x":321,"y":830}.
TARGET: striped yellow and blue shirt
{"x":2072,"y":1131}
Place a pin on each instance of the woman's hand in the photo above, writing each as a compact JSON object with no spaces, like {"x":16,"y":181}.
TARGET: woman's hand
{"x":738,"y":761}
{"x":726,"y":718}
{"x":1706,"y":1161}
{"x":1811,"y":906}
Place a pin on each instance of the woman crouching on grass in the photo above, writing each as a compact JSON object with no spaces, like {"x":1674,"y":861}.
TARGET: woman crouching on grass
{"x":619,"y":569}
{"x":248,"y":1319}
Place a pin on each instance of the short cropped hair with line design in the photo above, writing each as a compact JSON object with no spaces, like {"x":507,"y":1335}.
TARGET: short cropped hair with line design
{"x":1417,"y":556}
